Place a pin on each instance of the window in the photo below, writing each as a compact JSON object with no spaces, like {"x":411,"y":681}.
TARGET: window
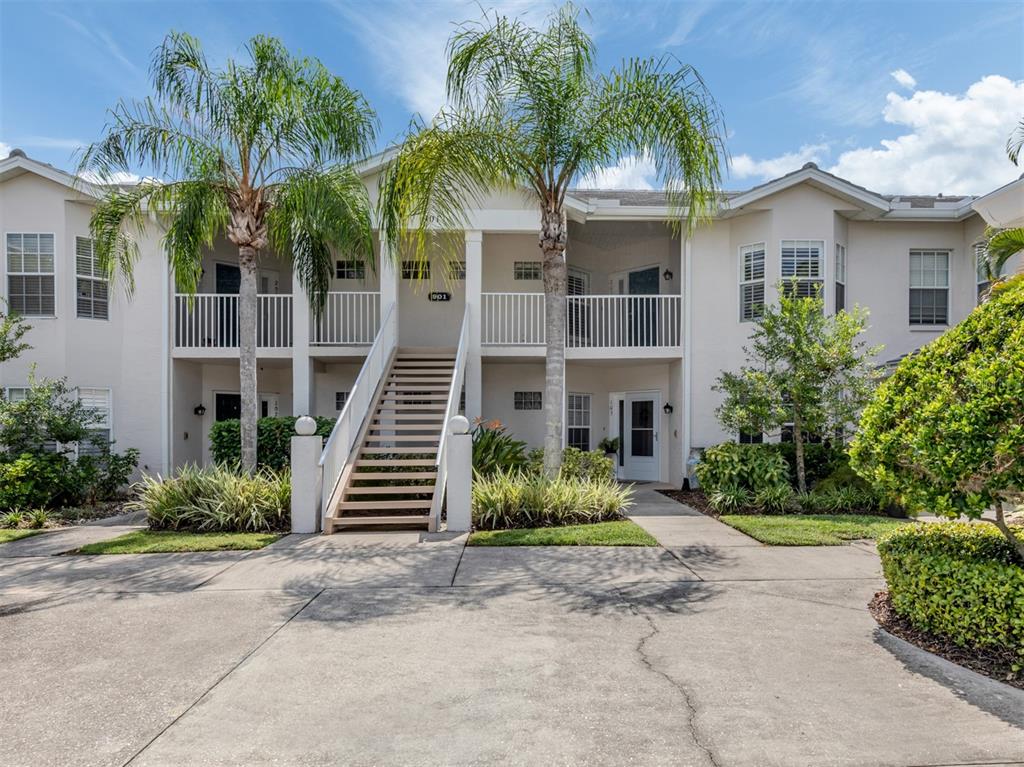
{"x":577,"y":418}
{"x":91,"y":285}
{"x":30,"y":275}
{"x":100,"y":433}
{"x":751,"y":282}
{"x":929,"y":287}
{"x":840,"y":277}
{"x":456,"y":270}
{"x":527,"y":270}
{"x":351,"y":270}
{"x":527,"y":400}
{"x":415,"y":270}
{"x":749,"y":438}
{"x":802,"y":261}
{"x":15,"y":393}
{"x":340,"y":398}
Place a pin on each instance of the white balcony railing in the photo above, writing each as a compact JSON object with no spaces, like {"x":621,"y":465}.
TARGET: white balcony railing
{"x":210,"y":321}
{"x":347,"y":319}
{"x":592,"y":322}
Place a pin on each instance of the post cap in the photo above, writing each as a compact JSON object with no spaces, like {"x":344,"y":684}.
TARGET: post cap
{"x":458,"y":425}
{"x":305,"y":426}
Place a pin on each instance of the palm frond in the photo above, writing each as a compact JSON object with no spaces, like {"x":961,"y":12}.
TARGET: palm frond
{"x":1000,"y":247}
{"x":1015,"y":143}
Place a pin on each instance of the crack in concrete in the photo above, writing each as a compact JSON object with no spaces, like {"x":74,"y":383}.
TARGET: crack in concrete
{"x":691,"y":719}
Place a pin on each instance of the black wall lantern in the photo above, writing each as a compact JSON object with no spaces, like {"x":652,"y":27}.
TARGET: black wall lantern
{"x":667,"y":274}
{"x":668,"y":409}
{"x":199,"y":410}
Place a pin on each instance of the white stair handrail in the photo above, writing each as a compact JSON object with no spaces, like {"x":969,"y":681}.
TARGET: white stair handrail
{"x":338,"y":451}
{"x":454,"y":397}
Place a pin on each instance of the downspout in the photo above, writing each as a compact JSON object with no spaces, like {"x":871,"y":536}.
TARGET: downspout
{"x":687,"y":350}
{"x":165,"y":363}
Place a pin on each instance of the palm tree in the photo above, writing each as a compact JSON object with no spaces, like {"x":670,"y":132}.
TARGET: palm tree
{"x":259,"y":151}
{"x":527,"y":110}
{"x":1002,"y":244}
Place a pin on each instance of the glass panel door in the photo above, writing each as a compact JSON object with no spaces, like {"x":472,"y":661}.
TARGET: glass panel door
{"x":641,"y":436}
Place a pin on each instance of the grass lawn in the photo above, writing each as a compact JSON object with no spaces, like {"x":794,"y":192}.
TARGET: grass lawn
{"x":620,"y":533}
{"x":14,"y":534}
{"x":811,"y":529}
{"x":165,"y":541}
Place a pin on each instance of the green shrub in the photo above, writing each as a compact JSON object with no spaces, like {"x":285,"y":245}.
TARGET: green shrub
{"x":526,"y":499}
{"x":37,"y":518}
{"x":43,"y":480}
{"x":217,"y":499}
{"x":958,"y":580}
{"x":577,"y":464}
{"x":102,"y":476}
{"x":777,"y":499}
{"x":731,"y":466}
{"x":727,"y":500}
{"x":273,"y":440}
{"x":494,"y":449}
{"x":820,"y":460}
{"x":11,"y":519}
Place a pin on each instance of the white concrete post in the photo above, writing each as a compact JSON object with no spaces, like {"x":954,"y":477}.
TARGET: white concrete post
{"x":388,"y":283}
{"x":474,"y":287}
{"x":302,"y":369}
{"x":306,"y":476}
{"x":460,"y":475}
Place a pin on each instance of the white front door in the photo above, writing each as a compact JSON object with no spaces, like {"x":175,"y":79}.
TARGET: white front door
{"x":636,"y":414}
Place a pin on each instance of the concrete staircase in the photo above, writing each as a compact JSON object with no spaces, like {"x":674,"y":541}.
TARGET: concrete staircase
{"x":394,"y":476}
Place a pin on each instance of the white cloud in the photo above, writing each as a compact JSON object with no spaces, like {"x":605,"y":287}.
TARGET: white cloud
{"x":5,"y":150}
{"x":688,"y":17}
{"x":118,"y":177}
{"x":954,"y":144}
{"x":745,"y":166}
{"x":628,"y":173}
{"x":904,"y":78}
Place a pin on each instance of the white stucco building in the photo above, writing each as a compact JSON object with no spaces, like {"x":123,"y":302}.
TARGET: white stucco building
{"x":652,"y":320}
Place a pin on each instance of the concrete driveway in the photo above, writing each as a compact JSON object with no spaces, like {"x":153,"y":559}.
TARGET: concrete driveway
{"x":383,"y":649}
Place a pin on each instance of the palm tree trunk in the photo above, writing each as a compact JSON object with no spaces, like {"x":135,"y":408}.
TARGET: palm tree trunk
{"x":798,"y":441}
{"x":552,"y":243}
{"x":247,"y":355}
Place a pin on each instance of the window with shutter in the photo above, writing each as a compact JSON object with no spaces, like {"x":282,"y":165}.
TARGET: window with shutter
{"x":92,"y":288}
{"x":30,"y":274}
{"x":840,"y":277}
{"x":751,"y":282}
{"x":802,"y":267}
{"x":100,"y":431}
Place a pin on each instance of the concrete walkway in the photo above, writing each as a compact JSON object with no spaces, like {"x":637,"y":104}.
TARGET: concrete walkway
{"x":389,"y":649}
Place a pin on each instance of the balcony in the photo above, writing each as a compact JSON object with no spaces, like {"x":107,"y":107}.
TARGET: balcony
{"x":348,"y":319}
{"x":596,"y":325}
{"x":209,"y":321}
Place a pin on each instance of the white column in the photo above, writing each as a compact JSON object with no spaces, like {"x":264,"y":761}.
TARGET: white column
{"x":302,"y":369}
{"x":306,"y":477}
{"x":474,"y":287}
{"x":687,"y":272}
{"x":460,"y":475}
{"x":388,"y":281}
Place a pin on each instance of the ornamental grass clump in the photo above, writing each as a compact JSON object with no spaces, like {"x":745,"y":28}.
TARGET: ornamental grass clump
{"x":216,"y":499}
{"x":520,"y":500}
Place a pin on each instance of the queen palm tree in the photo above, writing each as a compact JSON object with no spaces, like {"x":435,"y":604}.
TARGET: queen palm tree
{"x":260,"y":151}
{"x":527,"y":110}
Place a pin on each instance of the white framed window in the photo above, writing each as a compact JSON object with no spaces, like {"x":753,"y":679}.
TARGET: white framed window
{"x":527,"y":270}
{"x":340,"y":398}
{"x":577,"y":420}
{"x":528,"y":400}
{"x":101,"y":432}
{"x":802,"y":260}
{"x":752,"y":282}
{"x":840,"y":277}
{"x":929,"y":287}
{"x":415,"y":270}
{"x":456,"y":270}
{"x":350,"y":270}
{"x":92,"y":290}
{"x":31,"y":288}
{"x":15,"y":393}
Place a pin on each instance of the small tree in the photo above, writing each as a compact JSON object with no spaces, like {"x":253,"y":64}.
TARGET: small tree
{"x":49,"y":414}
{"x":945,"y":433}
{"x":12,"y":329}
{"x":803,"y":368}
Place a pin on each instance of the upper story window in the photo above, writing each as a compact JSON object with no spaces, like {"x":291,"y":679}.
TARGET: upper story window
{"x":929,"y":287}
{"x":100,"y":431}
{"x":803,"y":260}
{"x":456,"y":270}
{"x":350,"y":270}
{"x":527,"y":270}
{"x":840,"y":277}
{"x":751,"y":282}
{"x":415,"y":270}
{"x":91,"y":286}
{"x":30,"y":275}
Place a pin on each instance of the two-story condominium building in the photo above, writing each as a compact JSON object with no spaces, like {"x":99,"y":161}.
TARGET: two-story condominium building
{"x":653,"y":318}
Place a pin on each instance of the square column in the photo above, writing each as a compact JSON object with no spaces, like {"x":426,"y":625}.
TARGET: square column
{"x":474,"y":288}
{"x":302,"y":368}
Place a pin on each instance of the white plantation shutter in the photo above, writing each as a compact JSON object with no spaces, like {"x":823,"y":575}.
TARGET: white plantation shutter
{"x":30,"y":274}
{"x":98,"y":401}
{"x":803,"y":260}
{"x":91,"y":287}
{"x":751,"y":282}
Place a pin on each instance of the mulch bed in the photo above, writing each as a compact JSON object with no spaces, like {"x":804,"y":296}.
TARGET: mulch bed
{"x":993,"y":663}
{"x":692,"y":498}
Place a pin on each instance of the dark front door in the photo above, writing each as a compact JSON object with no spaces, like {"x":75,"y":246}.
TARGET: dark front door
{"x":227,"y":406}
{"x":642,"y":313}
{"x":229,"y":279}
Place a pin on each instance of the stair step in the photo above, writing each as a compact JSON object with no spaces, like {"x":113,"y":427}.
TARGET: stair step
{"x":430,"y":408}
{"x":415,"y":371}
{"x":406,"y":426}
{"x":430,"y":450}
{"x":429,"y":420}
{"x":395,"y":462}
{"x":391,"y":490}
{"x":402,"y":438}
{"x":382,"y":505}
{"x":421,"y":384}
{"x":387,"y":475}
{"x":408,"y":519}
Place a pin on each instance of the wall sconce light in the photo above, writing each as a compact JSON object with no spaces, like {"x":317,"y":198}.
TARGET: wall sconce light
{"x":199,"y":410}
{"x":668,"y":409}
{"x":667,"y":274}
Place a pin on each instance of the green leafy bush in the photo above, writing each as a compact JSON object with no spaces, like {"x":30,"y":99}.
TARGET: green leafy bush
{"x":945,"y":432}
{"x":821,"y":459}
{"x":577,"y":464}
{"x":494,"y":449}
{"x":526,"y":499}
{"x":273,"y":440}
{"x":217,"y":499}
{"x":727,"y":500}
{"x":777,"y":499}
{"x":12,"y":519}
{"x":30,"y":481}
{"x":50,"y":413}
{"x":731,"y":466}
{"x":958,"y":580}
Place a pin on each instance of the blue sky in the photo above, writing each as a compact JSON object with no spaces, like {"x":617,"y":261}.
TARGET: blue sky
{"x":796,"y":81}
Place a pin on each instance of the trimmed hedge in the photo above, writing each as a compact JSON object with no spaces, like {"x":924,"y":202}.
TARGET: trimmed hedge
{"x":958,"y":580}
{"x":738,"y":469}
{"x":273,"y":440}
